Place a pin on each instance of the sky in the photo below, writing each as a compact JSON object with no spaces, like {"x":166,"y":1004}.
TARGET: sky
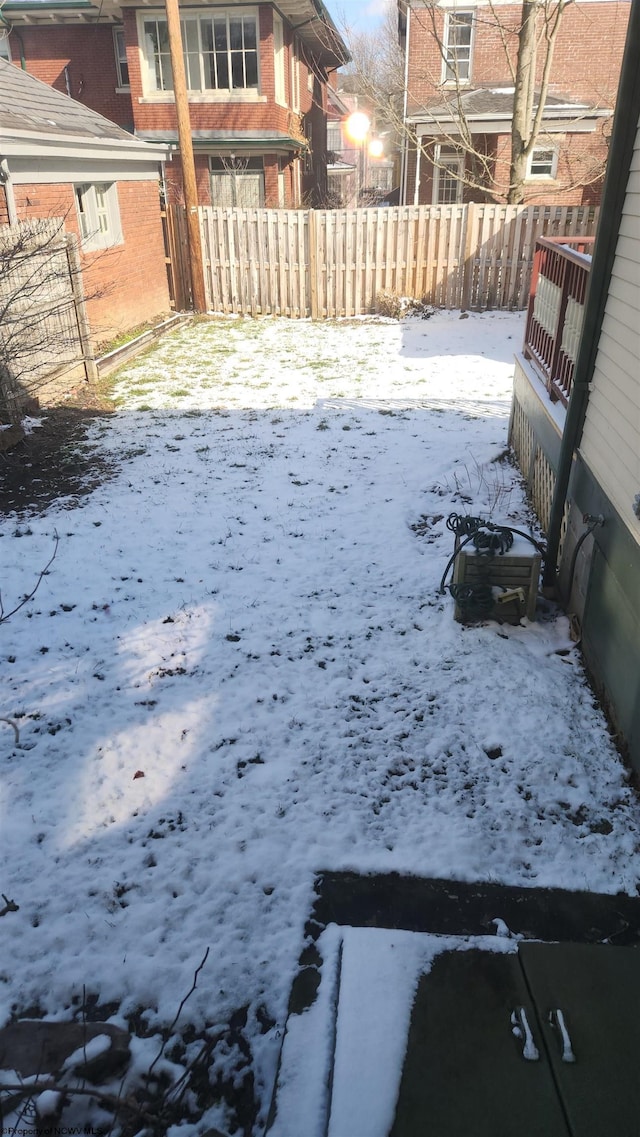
{"x":240,"y":671}
{"x":361,"y":15}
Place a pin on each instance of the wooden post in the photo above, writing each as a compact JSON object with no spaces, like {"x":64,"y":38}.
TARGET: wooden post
{"x":84,"y":330}
{"x":185,"y":143}
{"x":468,"y":255}
{"x":313,"y":231}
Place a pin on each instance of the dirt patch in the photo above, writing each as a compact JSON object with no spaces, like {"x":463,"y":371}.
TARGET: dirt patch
{"x":55,"y":461}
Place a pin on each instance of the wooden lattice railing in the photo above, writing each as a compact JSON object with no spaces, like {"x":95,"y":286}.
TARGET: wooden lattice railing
{"x":561,"y":267}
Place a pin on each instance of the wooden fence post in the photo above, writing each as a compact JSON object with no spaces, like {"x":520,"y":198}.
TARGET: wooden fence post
{"x":468,"y":256}
{"x":312,"y":237}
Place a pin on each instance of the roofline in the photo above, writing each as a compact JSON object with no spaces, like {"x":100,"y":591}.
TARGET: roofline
{"x":274,"y":143}
{"x":334,"y":54}
{"x":32,"y":145}
{"x":581,"y":121}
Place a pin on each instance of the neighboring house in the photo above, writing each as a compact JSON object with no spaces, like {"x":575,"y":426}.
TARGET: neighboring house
{"x":59,"y":159}
{"x":589,"y":456}
{"x":257,"y":78}
{"x":460,"y":61}
{"x":361,"y":173}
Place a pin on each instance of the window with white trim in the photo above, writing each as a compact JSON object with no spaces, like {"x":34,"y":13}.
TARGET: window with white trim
{"x":98,"y":215}
{"x":295,"y":78}
{"x":5,"y":50}
{"x":543,"y":162}
{"x":220,"y":51}
{"x":120,"y":50}
{"x":448,"y":174}
{"x":334,"y":137}
{"x":278,"y":60}
{"x":456,"y":47}
{"x":237,"y":183}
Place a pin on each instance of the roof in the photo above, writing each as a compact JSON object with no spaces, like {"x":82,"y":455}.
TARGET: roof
{"x":230,"y":140}
{"x":309,"y":18}
{"x":34,"y":116}
{"x":488,"y":107}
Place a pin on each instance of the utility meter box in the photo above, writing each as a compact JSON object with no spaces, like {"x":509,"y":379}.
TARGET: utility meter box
{"x":513,"y":578}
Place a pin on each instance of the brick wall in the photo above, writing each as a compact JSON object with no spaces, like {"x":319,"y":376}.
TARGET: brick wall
{"x":210,"y":114}
{"x":125,"y":285}
{"x":88,"y":54}
{"x":578,"y":180}
{"x":586,"y":63}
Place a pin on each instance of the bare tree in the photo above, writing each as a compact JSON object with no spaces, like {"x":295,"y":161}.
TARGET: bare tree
{"x":525,"y":45}
{"x":43,"y":326}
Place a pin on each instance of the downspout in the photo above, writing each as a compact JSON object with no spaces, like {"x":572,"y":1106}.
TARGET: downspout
{"x":623,"y":137}
{"x":10,"y":28}
{"x":405,"y":103}
{"x":5,"y":180}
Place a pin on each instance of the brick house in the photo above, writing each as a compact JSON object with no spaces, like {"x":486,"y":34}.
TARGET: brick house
{"x":257,"y":78}
{"x":59,"y":159}
{"x":460,"y":61}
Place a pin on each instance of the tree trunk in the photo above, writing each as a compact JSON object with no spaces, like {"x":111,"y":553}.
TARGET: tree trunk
{"x":523,"y":102}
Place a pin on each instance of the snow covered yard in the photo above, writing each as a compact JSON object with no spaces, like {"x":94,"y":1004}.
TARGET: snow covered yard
{"x":239,"y":672}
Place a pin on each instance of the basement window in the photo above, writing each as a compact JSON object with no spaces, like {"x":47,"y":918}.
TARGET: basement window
{"x":98,"y":215}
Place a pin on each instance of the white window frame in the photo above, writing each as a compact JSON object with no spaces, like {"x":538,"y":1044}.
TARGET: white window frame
{"x":241,"y":180}
{"x":334,"y":134}
{"x":295,"y":77}
{"x":280,"y":86}
{"x":5,"y":46}
{"x":98,"y":215}
{"x":194,"y":60}
{"x":453,"y":66}
{"x":120,"y":52}
{"x":447,"y":155}
{"x":552,"y":173}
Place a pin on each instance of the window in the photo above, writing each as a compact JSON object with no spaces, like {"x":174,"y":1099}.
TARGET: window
{"x":122,"y":67}
{"x":237,"y":182}
{"x":448,"y":172}
{"x":295,"y":79}
{"x":220,"y":52}
{"x":334,"y":137}
{"x":457,"y":47}
{"x":278,"y":60}
{"x":98,"y":215}
{"x":543,"y":162}
{"x":5,"y":50}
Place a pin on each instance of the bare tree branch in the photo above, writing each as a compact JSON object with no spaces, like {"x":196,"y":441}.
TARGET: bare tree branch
{"x":4,"y":616}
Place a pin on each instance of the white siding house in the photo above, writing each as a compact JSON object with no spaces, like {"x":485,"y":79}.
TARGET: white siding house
{"x":582,"y":463}
{"x":610,"y":443}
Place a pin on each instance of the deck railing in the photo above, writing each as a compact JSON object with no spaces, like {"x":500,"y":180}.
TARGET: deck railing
{"x":559,"y":278}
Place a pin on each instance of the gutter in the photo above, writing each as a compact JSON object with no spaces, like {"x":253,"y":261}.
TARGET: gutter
{"x":623,"y":137}
{"x":10,"y":198}
{"x":10,"y":28}
{"x":405,"y":149}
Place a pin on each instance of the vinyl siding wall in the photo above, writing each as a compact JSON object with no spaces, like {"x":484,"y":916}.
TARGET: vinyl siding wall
{"x":610,"y":444}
